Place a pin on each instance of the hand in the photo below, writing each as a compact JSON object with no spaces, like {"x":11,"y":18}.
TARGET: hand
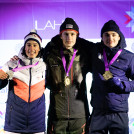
{"x":3,"y":75}
{"x":115,"y":82}
{"x":14,"y":58}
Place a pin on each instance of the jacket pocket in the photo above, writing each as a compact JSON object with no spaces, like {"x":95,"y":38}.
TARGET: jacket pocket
{"x":56,"y":73}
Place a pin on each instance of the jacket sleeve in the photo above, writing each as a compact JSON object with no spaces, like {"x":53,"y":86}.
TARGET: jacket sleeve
{"x":47,"y":79}
{"x":129,"y":85}
{"x":3,"y":83}
{"x":50,"y":45}
{"x":87,"y":47}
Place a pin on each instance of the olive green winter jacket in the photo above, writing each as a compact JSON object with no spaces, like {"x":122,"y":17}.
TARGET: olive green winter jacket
{"x":67,"y":101}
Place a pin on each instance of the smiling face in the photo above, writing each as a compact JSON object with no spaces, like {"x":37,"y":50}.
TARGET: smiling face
{"x":32,"y":49}
{"x":69,"y":38}
{"x":110,"y":39}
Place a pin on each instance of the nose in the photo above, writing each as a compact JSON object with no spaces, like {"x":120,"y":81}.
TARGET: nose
{"x":31,"y":47}
{"x":69,"y":37}
{"x":110,"y":37}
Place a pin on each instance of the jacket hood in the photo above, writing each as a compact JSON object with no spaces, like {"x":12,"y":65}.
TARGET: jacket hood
{"x":57,"y":41}
{"x":122,"y":43}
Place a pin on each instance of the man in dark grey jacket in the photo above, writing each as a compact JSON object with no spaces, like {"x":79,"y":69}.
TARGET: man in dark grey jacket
{"x":113,"y":80}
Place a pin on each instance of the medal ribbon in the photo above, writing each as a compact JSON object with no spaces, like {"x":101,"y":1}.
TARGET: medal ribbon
{"x":113,"y":59}
{"x":64,"y":61}
{"x":24,"y":67}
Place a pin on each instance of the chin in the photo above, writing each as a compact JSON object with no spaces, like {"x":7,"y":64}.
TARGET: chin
{"x":31,"y":57}
{"x":68,"y":47}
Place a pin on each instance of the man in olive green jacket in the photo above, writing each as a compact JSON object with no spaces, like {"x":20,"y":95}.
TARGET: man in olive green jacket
{"x":68,"y":61}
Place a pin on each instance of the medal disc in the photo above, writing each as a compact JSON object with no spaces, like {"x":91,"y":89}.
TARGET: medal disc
{"x":67,"y":81}
{"x":107,"y":75}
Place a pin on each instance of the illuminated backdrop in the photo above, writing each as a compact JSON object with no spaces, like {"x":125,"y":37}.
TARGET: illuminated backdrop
{"x":18,"y":17}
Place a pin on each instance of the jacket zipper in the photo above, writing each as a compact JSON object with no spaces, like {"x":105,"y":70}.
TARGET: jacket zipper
{"x":30,"y":78}
{"x":68,"y":105}
{"x":68,"y":91}
{"x":30,"y":81}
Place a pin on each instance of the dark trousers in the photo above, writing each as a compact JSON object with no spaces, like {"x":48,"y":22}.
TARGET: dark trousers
{"x":103,"y":122}
{"x":67,"y":126}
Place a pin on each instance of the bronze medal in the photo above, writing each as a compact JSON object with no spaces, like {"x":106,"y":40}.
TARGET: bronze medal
{"x":107,"y":75}
{"x":67,"y":81}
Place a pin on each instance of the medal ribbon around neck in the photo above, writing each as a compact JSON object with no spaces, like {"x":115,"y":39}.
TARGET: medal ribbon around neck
{"x":24,"y":67}
{"x":113,"y":59}
{"x":64,"y":61}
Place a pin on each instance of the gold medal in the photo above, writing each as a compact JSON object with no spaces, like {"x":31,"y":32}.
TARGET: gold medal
{"x":107,"y":75}
{"x":67,"y":81}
